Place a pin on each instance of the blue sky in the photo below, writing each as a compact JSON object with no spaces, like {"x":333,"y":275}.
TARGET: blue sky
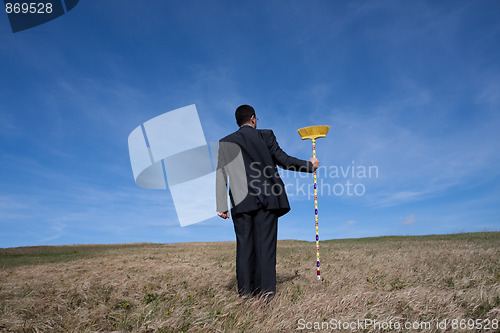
{"x":410,"y":87}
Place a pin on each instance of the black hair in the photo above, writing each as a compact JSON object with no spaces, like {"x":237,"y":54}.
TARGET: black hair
{"x":243,"y":114}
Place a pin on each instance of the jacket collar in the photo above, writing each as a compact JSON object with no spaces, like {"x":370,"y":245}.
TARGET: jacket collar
{"x":244,"y":126}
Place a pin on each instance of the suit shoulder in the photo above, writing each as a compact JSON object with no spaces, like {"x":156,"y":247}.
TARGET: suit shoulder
{"x":266,"y":132}
{"x":227,"y":138}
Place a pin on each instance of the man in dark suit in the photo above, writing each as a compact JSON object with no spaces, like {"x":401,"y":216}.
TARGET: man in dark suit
{"x":248,"y":157}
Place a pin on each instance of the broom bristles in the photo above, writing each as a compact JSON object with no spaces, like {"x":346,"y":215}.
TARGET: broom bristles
{"x":313,"y":132}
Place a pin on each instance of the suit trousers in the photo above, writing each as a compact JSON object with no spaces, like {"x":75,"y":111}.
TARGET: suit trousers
{"x":256,"y":238}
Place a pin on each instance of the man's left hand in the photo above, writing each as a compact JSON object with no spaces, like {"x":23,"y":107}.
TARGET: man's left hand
{"x":224,"y":215}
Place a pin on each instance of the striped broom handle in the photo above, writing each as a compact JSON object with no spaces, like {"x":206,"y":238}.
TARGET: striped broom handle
{"x":316,"y":214}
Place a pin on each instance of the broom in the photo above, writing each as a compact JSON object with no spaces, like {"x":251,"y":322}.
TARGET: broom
{"x":314,"y":132}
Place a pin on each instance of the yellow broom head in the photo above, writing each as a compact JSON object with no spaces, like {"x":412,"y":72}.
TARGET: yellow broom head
{"x":313,"y":132}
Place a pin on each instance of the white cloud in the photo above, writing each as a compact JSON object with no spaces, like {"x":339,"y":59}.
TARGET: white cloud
{"x":409,"y":220}
{"x":351,"y":222}
{"x":420,"y":150}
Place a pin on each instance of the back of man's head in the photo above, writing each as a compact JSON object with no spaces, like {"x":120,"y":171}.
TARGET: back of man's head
{"x":243,"y":114}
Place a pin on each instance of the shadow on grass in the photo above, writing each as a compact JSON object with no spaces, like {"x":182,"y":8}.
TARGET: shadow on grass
{"x":280,"y":279}
{"x":283,"y":278}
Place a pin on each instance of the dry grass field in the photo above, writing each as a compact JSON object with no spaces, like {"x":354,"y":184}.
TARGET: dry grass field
{"x":371,"y":284}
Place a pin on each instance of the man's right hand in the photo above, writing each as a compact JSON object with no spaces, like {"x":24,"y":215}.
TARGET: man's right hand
{"x":315,"y":162}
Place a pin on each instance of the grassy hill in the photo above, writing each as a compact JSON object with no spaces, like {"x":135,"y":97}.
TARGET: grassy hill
{"x":371,"y":284}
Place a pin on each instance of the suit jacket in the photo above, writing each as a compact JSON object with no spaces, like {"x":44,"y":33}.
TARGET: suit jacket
{"x":248,"y":157}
